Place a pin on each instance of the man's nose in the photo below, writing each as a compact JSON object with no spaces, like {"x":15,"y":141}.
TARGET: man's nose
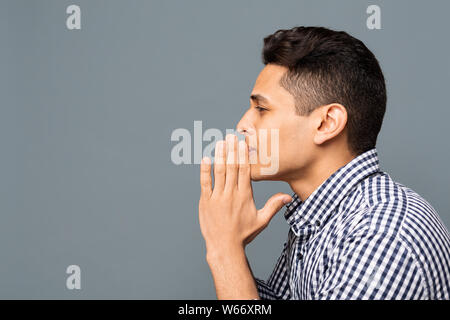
{"x":244,"y":126}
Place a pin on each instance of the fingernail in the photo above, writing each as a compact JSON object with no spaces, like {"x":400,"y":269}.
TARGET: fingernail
{"x":287,"y":200}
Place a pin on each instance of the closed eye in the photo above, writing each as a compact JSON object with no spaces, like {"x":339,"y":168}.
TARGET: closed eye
{"x":260,"y":109}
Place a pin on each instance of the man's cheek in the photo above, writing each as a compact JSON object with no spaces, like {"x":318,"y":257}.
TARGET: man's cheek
{"x":269,"y":151}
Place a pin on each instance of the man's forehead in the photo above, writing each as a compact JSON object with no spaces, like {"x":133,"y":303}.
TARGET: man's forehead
{"x":270,"y":76}
{"x":267,"y":83}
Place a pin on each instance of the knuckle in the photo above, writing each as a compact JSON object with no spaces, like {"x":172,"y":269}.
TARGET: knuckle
{"x":244,"y":168}
{"x":220,"y":169}
{"x":232,"y":165}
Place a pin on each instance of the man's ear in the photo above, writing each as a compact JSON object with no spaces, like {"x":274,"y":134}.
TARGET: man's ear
{"x":330,"y":121}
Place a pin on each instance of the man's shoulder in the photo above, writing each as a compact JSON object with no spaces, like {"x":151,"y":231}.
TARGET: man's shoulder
{"x":400,"y":215}
{"x":381,"y":205}
{"x":386,"y":200}
{"x":391,"y":208}
{"x":380,"y":188}
{"x":384,"y":217}
{"x":378,"y":204}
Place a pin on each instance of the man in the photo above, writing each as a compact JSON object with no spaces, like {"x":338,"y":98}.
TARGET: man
{"x":354,"y":232}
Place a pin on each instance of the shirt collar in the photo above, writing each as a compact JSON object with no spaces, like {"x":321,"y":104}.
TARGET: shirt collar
{"x":317,"y":208}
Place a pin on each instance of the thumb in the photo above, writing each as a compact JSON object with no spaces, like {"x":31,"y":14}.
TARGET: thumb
{"x":273,"y":205}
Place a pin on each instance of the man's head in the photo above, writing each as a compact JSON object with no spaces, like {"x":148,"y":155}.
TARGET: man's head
{"x":323,"y":91}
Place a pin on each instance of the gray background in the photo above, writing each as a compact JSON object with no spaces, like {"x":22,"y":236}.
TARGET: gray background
{"x":86,"y":118}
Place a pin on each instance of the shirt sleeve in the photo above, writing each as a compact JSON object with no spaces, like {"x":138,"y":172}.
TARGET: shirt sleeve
{"x":372,"y":265}
{"x":277,"y":286}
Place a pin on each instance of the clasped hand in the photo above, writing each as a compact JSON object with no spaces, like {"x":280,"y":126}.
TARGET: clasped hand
{"x":227,"y":213}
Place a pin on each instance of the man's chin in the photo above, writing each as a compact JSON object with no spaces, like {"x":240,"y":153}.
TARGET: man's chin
{"x":257,"y":176}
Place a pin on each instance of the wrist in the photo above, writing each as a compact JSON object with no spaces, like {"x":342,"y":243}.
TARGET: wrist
{"x":224,"y":253}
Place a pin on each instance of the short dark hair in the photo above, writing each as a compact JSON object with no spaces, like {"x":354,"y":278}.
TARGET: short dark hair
{"x":326,"y":66}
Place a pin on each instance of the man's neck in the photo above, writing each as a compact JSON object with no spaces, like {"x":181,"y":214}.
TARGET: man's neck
{"x":305,"y":185}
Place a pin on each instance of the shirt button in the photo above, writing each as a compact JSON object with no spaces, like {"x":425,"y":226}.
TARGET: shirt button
{"x":300,"y":256}
{"x":318,"y":223}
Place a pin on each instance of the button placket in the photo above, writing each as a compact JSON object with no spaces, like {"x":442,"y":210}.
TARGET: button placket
{"x":298,"y":262}
{"x":302,"y":247}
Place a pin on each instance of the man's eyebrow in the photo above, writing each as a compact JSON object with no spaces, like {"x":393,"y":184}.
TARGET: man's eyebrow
{"x":257,"y":98}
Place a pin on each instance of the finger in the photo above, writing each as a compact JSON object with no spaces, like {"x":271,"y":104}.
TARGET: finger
{"x":219,"y":166}
{"x":272,"y":206}
{"x":205,"y":178}
{"x":244,"y":182}
{"x":232,"y":162}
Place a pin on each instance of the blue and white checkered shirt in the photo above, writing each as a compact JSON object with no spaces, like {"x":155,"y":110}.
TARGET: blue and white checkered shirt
{"x":361,"y":235}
